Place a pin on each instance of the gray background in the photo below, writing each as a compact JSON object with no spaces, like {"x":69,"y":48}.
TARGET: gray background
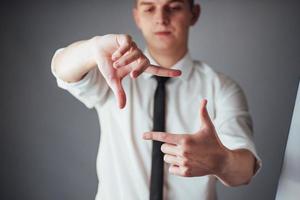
{"x":49,"y":140}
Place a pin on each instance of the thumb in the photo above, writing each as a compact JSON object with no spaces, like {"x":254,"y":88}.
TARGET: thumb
{"x":204,"y":116}
{"x":113,"y":81}
{"x":118,"y":91}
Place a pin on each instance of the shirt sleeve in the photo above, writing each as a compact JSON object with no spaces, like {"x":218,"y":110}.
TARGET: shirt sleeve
{"x":90,"y":90}
{"x":233,"y":122}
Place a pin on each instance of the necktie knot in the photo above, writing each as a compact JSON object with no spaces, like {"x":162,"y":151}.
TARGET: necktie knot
{"x":161,"y":80}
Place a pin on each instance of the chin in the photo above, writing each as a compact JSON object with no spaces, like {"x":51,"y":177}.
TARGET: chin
{"x":164,"y":45}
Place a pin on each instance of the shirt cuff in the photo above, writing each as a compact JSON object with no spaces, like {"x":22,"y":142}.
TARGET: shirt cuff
{"x":78,"y":85}
{"x":82,"y":89}
{"x":234,"y":144}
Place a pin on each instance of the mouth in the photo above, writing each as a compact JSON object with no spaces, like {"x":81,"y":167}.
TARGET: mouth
{"x":162,"y":33}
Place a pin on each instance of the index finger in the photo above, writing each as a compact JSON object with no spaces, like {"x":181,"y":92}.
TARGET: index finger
{"x":162,"y":71}
{"x":162,"y":137}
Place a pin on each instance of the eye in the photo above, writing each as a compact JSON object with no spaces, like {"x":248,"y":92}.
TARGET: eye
{"x":149,"y":9}
{"x":175,"y":7}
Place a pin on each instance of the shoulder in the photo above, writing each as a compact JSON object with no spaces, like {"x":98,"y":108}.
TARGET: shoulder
{"x":224,"y":89}
{"x":204,"y":71}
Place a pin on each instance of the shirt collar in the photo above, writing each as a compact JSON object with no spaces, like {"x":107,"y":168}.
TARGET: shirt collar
{"x":185,"y":64}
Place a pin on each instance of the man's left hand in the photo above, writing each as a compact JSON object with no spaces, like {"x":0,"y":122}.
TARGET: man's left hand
{"x":197,"y":154}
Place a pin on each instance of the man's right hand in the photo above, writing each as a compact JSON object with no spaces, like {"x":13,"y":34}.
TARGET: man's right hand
{"x":118,"y":56}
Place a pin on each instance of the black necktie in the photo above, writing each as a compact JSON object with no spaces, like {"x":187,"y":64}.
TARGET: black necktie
{"x":157,"y":169}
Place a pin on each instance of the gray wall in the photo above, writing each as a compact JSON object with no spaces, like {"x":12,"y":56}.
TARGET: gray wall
{"x":49,"y":140}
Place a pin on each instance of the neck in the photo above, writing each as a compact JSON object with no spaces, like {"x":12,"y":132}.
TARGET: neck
{"x":167,"y":58}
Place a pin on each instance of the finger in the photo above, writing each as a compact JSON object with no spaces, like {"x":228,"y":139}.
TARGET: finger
{"x":174,"y":169}
{"x":173,"y":160}
{"x":127,"y":58}
{"x":125,"y":43}
{"x":139,"y":67}
{"x":124,"y":71}
{"x":170,"y":149}
{"x":204,"y":116}
{"x":162,"y":71}
{"x":162,"y":137}
{"x":112,"y":80}
{"x":180,"y":171}
{"x":118,"y":91}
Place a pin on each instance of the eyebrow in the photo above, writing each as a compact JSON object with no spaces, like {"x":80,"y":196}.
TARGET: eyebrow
{"x":141,"y":3}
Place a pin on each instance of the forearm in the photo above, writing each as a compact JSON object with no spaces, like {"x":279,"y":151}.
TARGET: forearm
{"x":238,"y":168}
{"x":74,"y":61}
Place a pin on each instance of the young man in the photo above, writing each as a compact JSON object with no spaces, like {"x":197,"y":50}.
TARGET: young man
{"x":197,"y":150}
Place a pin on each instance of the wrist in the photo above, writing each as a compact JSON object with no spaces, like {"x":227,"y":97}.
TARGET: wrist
{"x":237,"y":168}
{"x":225,"y":164}
{"x":93,"y":51}
{"x":225,"y":167}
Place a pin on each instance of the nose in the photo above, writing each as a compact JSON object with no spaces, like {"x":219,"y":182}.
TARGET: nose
{"x":162,"y":17}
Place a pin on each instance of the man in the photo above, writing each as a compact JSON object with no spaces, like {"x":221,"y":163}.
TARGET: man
{"x":198,"y":147}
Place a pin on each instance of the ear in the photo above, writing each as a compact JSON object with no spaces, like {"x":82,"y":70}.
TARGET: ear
{"x":136,"y":18}
{"x":195,"y":14}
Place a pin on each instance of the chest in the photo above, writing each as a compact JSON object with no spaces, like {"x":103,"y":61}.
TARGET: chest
{"x":182,"y":104}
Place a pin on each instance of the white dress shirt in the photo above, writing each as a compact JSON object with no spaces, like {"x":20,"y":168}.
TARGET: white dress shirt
{"x":124,"y":158}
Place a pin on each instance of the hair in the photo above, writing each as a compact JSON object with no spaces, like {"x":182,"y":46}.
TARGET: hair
{"x":191,"y":3}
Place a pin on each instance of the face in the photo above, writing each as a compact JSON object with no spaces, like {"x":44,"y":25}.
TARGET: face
{"x":165,"y":23}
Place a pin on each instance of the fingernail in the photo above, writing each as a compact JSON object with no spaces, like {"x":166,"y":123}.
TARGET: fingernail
{"x":132,"y":75}
{"x":178,"y":73}
{"x":135,"y":74}
{"x":116,"y":64}
{"x":114,"y":57}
